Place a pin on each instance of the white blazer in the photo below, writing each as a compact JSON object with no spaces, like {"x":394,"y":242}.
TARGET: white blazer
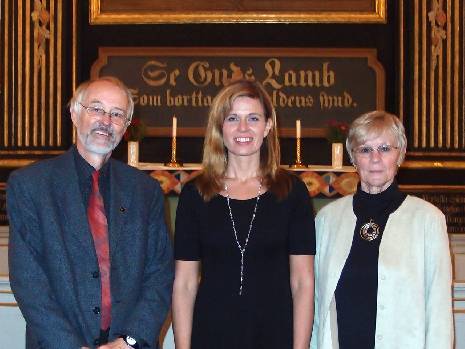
{"x":414,"y":307}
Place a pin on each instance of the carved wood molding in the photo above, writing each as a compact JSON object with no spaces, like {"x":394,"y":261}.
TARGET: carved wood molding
{"x":32,"y":81}
{"x":431,"y":71}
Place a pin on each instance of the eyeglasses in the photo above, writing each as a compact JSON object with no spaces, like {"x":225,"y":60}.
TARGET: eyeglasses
{"x":366,"y":151}
{"x":117,"y":117}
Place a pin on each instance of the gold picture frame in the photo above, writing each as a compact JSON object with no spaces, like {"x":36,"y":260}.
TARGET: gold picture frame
{"x":222,"y":11}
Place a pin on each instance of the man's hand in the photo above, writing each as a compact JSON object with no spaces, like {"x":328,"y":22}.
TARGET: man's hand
{"x":116,"y":344}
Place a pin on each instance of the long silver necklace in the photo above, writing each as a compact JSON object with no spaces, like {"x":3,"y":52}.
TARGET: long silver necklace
{"x":242,"y":248}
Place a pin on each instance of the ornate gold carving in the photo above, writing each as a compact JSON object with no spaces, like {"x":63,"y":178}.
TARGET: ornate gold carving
{"x":41,"y":19}
{"x":437,"y":18}
{"x":437,"y":122}
{"x":31,"y":74}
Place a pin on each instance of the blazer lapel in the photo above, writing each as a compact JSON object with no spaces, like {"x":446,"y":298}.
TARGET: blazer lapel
{"x":71,"y":204}
{"x":121,"y":196}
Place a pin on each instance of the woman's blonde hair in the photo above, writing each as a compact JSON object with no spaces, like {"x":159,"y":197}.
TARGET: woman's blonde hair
{"x":215,"y":158}
{"x":373,"y":124}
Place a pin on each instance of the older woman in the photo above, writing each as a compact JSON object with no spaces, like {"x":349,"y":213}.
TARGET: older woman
{"x":245,"y":228}
{"x":383,"y":269}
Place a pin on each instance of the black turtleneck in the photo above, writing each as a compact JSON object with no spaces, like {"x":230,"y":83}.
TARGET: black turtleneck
{"x":356,"y":292}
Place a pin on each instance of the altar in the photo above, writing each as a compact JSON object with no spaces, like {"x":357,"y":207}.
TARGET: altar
{"x":321,"y":181}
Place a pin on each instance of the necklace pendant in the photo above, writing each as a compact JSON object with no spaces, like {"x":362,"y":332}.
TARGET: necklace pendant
{"x":369,"y":231}
{"x":242,"y":248}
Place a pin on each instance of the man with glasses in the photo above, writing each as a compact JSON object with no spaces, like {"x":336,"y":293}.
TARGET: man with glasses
{"x":90,"y":258}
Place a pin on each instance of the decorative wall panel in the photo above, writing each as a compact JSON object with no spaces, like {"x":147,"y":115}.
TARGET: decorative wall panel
{"x":33,"y":87}
{"x":431,"y":80}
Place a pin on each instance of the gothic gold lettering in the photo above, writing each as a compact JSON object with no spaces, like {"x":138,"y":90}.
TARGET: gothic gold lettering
{"x":199,"y":100}
{"x":249,"y":75}
{"x":221,"y":77}
{"x":334,"y":101}
{"x":301,"y":78}
{"x":280,"y":99}
{"x":145,"y":99}
{"x":173,"y":75}
{"x":199,"y":74}
{"x":153,"y":75}
{"x":328,"y":75}
{"x":348,"y":102}
{"x":272,"y":68}
{"x":195,"y":99}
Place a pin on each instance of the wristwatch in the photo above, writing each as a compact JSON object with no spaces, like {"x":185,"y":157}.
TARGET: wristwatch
{"x":130,"y":341}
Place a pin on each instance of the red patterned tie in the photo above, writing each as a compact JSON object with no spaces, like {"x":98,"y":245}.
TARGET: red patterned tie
{"x":99,"y":228}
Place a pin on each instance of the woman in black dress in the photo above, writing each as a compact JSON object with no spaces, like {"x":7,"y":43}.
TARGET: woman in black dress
{"x":245,"y":239}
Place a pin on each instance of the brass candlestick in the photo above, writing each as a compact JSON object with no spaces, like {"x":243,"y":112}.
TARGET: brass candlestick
{"x":173,"y":162}
{"x":298,"y":163}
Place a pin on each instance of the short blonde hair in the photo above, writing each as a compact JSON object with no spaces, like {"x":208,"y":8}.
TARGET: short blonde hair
{"x":374,"y":124}
{"x":80,"y":95}
{"x":214,"y":152}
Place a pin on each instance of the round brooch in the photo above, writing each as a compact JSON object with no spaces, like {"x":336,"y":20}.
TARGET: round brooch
{"x":369,"y":231}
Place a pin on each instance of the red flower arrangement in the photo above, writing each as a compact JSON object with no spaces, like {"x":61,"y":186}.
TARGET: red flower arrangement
{"x":336,"y":131}
{"x":135,"y":131}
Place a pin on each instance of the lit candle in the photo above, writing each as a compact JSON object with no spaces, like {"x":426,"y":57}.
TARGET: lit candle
{"x":175,"y":125}
{"x":297,"y":128}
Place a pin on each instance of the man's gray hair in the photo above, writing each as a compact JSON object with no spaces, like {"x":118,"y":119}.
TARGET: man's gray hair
{"x":80,"y":94}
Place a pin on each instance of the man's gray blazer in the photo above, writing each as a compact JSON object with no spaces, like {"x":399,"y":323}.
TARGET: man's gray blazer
{"x":53,"y":264}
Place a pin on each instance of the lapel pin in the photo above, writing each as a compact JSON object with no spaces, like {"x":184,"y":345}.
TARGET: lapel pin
{"x":122,"y":209}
